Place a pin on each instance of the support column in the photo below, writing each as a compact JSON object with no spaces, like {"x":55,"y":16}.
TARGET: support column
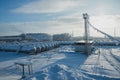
{"x":86,"y":36}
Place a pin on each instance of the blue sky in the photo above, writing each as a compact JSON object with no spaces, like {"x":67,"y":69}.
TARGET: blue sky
{"x":58,"y":16}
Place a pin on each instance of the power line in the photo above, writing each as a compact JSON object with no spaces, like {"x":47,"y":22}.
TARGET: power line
{"x":103,"y":32}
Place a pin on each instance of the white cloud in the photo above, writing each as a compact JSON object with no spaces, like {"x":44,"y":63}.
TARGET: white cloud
{"x":106,"y":23}
{"x":69,"y":23}
{"x":47,"y":6}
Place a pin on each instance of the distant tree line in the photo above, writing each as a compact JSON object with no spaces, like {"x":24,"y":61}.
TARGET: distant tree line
{"x":62,"y":37}
{"x":46,"y":37}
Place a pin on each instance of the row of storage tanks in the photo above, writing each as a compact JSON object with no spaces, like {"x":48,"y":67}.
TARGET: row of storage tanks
{"x":29,"y":47}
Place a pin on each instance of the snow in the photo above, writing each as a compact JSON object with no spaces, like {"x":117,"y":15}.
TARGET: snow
{"x":28,"y":47}
{"x":63,"y":63}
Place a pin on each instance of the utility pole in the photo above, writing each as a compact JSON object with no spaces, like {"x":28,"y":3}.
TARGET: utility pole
{"x":114,"y":32}
{"x":86,"y":17}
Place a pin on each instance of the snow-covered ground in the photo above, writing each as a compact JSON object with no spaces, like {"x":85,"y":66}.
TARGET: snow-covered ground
{"x":29,"y":47}
{"x":63,"y":64}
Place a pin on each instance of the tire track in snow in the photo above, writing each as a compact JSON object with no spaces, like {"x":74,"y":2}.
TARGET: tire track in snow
{"x":112,"y":61}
